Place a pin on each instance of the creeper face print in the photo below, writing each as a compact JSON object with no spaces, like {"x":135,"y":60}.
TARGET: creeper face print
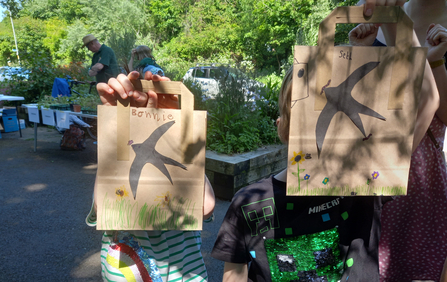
{"x":305,"y":258}
{"x":261,"y":216}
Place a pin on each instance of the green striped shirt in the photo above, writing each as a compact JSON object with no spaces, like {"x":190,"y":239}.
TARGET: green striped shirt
{"x":176,"y":254}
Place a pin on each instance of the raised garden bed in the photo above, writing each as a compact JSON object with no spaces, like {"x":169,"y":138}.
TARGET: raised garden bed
{"x":228,"y":174}
{"x":60,"y":107}
{"x":89,"y":111}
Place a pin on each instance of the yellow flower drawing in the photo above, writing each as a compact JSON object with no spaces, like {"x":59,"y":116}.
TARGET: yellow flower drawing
{"x":121,"y":192}
{"x":164,"y":199}
{"x":297,"y":158}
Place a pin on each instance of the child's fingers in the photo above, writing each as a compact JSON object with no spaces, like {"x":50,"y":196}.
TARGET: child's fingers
{"x":436,"y":34}
{"x":360,"y":31}
{"x":354,"y":34}
{"x":133,"y":75}
{"x":152,"y":99}
{"x":148,"y":75}
{"x":430,"y":32}
{"x":367,"y":28}
{"x":165,"y":101}
{"x":374,"y":29}
{"x":155,"y":100}
{"x":156,"y":77}
{"x":125,"y":82}
{"x":368,"y":8}
{"x":115,"y":84}
{"x":106,"y":94}
{"x":168,"y":101}
{"x":138,"y":99}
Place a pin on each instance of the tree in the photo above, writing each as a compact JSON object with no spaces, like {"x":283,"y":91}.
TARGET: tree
{"x":270,"y":29}
{"x":210,"y":28}
{"x":166,"y":18}
{"x":71,"y":46}
{"x":12,"y":6}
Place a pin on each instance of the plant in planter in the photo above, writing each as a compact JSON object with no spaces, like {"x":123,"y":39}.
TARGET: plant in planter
{"x":61,"y":103}
{"x":86,"y":102}
{"x":240,"y":120}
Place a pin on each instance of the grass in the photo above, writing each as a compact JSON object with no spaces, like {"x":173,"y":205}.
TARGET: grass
{"x":346,"y":191}
{"x":125,"y":214}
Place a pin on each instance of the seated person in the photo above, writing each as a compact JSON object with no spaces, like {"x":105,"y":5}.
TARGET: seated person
{"x":147,"y":61}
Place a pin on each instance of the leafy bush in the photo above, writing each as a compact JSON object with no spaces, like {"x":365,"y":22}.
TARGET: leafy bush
{"x":41,"y":78}
{"x":238,"y":120}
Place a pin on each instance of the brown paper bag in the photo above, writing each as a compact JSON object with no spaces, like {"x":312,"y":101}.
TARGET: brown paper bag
{"x":353,"y":111}
{"x":151,"y":164}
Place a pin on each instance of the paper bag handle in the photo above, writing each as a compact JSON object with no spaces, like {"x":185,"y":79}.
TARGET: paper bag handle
{"x":354,"y":14}
{"x":159,"y":87}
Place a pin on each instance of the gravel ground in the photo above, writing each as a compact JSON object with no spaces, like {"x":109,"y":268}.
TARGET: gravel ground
{"x":46,"y":197}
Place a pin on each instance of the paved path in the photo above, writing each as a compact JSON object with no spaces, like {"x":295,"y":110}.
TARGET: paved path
{"x":45,"y":197}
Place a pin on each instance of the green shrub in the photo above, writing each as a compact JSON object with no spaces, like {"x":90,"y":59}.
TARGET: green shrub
{"x":239,"y":119}
{"x":42,"y":75}
{"x":85,"y":100}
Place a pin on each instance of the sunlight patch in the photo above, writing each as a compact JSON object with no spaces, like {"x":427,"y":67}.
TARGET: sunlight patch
{"x":92,"y":166}
{"x":36,"y":187}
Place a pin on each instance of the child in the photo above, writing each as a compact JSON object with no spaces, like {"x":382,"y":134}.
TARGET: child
{"x":162,"y":255}
{"x":290,"y":238}
{"x":414,"y":241}
{"x":147,"y":61}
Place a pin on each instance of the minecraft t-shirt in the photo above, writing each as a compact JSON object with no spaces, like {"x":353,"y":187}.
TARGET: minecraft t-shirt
{"x":301,"y":238}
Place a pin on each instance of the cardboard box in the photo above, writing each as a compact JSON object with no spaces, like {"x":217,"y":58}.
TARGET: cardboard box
{"x":22,"y":124}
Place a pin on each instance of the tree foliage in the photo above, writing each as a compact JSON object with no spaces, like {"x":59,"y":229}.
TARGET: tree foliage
{"x":256,"y":34}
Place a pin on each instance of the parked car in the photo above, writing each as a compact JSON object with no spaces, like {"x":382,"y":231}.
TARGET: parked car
{"x":208,"y":78}
{"x":8,"y":73}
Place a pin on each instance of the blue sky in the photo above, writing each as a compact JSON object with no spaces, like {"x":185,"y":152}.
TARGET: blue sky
{"x":1,"y":12}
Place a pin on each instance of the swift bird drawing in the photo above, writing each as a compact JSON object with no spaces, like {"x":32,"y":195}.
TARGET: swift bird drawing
{"x":339,"y":99}
{"x":146,"y":153}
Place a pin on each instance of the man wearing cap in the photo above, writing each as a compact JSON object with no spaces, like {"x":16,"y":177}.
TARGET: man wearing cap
{"x":104,"y":64}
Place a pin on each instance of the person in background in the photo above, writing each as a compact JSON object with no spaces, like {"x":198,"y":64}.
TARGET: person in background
{"x":104,"y":64}
{"x":147,"y":61}
{"x":414,"y":227}
{"x":167,"y":255}
{"x":74,"y":137}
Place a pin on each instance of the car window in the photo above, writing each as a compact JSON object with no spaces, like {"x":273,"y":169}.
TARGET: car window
{"x":217,"y":73}
{"x":200,"y":73}
{"x":235,"y":73}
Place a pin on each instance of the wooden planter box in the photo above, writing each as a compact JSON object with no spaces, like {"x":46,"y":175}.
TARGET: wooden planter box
{"x":228,"y":174}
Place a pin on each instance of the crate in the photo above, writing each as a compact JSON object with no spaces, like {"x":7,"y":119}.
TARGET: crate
{"x":9,"y":112}
{"x":10,"y":123}
{"x":60,"y":107}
